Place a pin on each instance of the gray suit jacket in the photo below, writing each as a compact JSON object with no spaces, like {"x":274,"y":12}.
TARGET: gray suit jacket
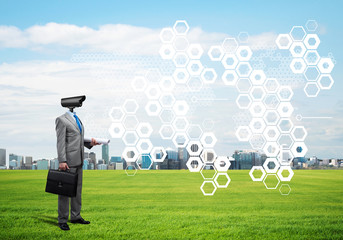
{"x":70,"y":142}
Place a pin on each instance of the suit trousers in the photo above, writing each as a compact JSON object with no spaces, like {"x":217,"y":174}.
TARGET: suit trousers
{"x":75,"y":202}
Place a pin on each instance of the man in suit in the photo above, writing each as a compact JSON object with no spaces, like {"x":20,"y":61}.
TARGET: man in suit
{"x":70,"y":150}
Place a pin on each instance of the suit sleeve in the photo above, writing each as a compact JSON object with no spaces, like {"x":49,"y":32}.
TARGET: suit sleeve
{"x":61,"y":140}
{"x":87,"y":145}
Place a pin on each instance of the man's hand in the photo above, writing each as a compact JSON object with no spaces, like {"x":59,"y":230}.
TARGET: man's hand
{"x":94,"y":142}
{"x":63,"y":166}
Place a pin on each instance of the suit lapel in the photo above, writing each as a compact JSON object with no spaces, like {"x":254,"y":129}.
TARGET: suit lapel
{"x":72,"y":120}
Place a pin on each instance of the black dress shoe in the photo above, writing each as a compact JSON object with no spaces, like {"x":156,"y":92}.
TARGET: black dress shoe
{"x":81,"y":221}
{"x":64,"y":226}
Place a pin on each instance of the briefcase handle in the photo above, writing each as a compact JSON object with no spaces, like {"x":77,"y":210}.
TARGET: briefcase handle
{"x":67,"y":170}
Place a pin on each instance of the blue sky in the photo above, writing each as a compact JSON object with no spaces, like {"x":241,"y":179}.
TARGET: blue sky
{"x":222,"y":17}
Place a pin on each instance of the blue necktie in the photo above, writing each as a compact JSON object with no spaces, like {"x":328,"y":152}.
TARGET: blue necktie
{"x":78,"y":122}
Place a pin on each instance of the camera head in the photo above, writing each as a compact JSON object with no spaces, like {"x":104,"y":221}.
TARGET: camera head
{"x":73,"y":102}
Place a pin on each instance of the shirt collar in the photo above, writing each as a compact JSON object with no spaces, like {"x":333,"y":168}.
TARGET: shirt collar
{"x":71,"y":113}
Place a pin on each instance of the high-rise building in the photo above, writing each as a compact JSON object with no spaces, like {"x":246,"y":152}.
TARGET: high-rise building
{"x":105,"y":153}
{"x":54,"y":164}
{"x":42,"y":164}
{"x":13,"y":164}
{"x":86,"y":155}
{"x":183,"y":157}
{"x":17,"y":158}
{"x":172,"y":157}
{"x":145,"y":161}
{"x":28,"y":161}
{"x":245,"y":159}
{"x":2,"y":157}
{"x":119,"y":166}
{"x":92,"y":157}
{"x":85,"y":164}
{"x":102,"y":166}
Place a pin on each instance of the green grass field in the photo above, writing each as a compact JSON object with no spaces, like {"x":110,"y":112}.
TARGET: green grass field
{"x":170,"y":205}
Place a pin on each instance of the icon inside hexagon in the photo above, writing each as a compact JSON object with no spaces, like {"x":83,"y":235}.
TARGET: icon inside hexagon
{"x":144,"y":129}
{"x":181,"y":75}
{"x":285,"y":177}
{"x":325,"y":65}
{"x":297,"y":49}
{"x":243,"y":85}
{"x":311,"y":57}
{"x":116,"y":130}
{"x":271,"y":133}
{"x":208,"y":156}
{"x":257,"y":125}
{"x":298,"y":65}
{"x":153,"y":108}
{"x":158,"y":154}
{"x":167,"y":84}
{"x":258,"y":77}
{"x":167,"y":35}
{"x":257,"y":109}
{"x":257,"y":141}
{"x":271,"y":149}
{"x":180,"y":107}
{"x":222,"y":163}
{"x":243,"y":101}
{"x":208,"y":140}
{"x":271,"y":85}
{"x":215,"y":53}
{"x":271,"y":181}
{"x":285,"y":140}
{"x":130,"y":154}
{"x":222,"y":180}
{"x":299,"y":149}
{"x":180,"y":139}
{"x":283,"y":41}
{"x":285,"y":156}
{"x":195,"y":67}
{"x":130,"y":106}
{"x":180,"y":43}
{"x":116,"y":114}
{"x":195,"y":51}
{"x":271,"y":117}
{"x":311,"y":73}
{"x":298,"y":33}
{"x":194,"y":148}
{"x":311,"y":89}
{"x":257,"y":173}
{"x":208,"y":188}
{"x":229,"y":77}
{"x":131,"y":170}
{"x":244,"y":69}
{"x":271,"y":101}
{"x":257,"y":93}
{"x":325,"y":81}
{"x":208,"y":172}
{"x":285,"y":125}
{"x":167,"y":99}
{"x":167,"y":51}
{"x":144,"y":162}
{"x":209,"y":75}
{"x":229,"y":45}
{"x":243,"y":133}
{"x":194,"y":164}
{"x":130,"y":138}
{"x":299,"y":133}
{"x":166,"y":131}
{"x":285,"y":189}
{"x":244,"y":53}
{"x":181,"y":27}
{"x":139,"y":84}
{"x":312,"y":41}
{"x":180,"y":59}
{"x":285,"y":93}
{"x":271,"y":165}
{"x":229,"y":61}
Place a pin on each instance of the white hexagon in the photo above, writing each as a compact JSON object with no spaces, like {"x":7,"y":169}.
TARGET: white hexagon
{"x":229,"y":77}
{"x":271,"y":170}
{"x":325,"y":65}
{"x":243,"y":85}
{"x":195,"y":51}
{"x":153,"y":91}
{"x":271,"y":117}
{"x":195,"y":84}
{"x":229,"y":45}
{"x":130,"y":122}
{"x":167,"y":51}
{"x":144,"y":129}
{"x":144,"y":146}
{"x":215,"y":53}
{"x":208,"y":156}
{"x":311,"y":73}
{"x":312,"y":41}
{"x":297,"y":49}
{"x":130,"y":106}
{"x":285,"y":109}
{"x":209,"y":75}
{"x":208,"y":174}
{"x":257,"y":93}
{"x":180,"y":59}
{"x":283,"y":41}
{"x":116,"y":114}
{"x":167,"y":99}
{"x":311,"y":25}
{"x":180,"y":139}
{"x":285,"y":189}
{"x":181,"y":27}
{"x":285,"y":93}
{"x":298,"y":33}
{"x":244,"y":69}
{"x":194,"y":148}
{"x":229,"y":61}
{"x":299,"y":149}
{"x":311,"y":57}
{"x":325,"y":81}
{"x":194,"y":131}
{"x":258,"y":77}
{"x":166,"y":131}
{"x":298,"y":65}
{"x":167,"y":35}
{"x":244,"y":53}
{"x":290,"y":175}
{"x":271,"y":101}
{"x":180,"y":107}
{"x":227,"y":182}
{"x":195,"y":67}
{"x":116,"y":130}
{"x":285,"y":156}
{"x":257,"y":141}
{"x":153,"y":108}
{"x":243,"y":37}
{"x":141,"y":159}
{"x":285,"y":140}
{"x":311,"y":89}
{"x":269,"y":176}
{"x":180,"y":124}
{"x":271,"y":133}
{"x":209,"y":193}
{"x":271,"y":149}
{"x":194,"y":164}
{"x":167,"y":115}
{"x":222,"y":163}
{"x":243,"y":101}
{"x":208,"y":140}
{"x":158,"y":150}
{"x":251,"y":173}
{"x":257,"y":109}
{"x":299,"y":133}
{"x":167,"y":84}
{"x":180,"y":43}
{"x":285,"y":125}
{"x":257,"y":125}
{"x":131,"y":168}
{"x":271,"y":85}
{"x":243,"y":133}
{"x":130,"y":138}
{"x":181,"y":75}
{"x":139,"y":84}
{"x":130,"y":154}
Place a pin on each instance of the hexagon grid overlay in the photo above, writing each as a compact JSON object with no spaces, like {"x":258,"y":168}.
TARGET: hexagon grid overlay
{"x":264,"y":100}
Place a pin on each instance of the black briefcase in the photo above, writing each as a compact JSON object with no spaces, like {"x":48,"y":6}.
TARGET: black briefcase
{"x":61,"y":183}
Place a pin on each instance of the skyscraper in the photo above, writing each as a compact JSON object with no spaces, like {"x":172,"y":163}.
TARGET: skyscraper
{"x":28,"y":161}
{"x":105,"y":153}
{"x":92,"y":157}
{"x":2,"y":157}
